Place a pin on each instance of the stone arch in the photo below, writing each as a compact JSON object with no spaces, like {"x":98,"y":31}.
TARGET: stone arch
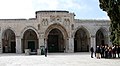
{"x":81,"y":40}
{"x":29,"y":27}
{"x":56,"y":36}
{"x":9,"y":41}
{"x":10,"y":28}
{"x":81,"y":27}
{"x":29,"y":38}
{"x":101,"y":36}
{"x":58,"y":26}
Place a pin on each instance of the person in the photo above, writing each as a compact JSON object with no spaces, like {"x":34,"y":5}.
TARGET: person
{"x":45,"y":52}
{"x":6,"y":48}
{"x":98,"y":52}
{"x":118,"y":51}
{"x":114,"y":51}
{"x":92,"y":51}
{"x":106,"y":51}
{"x":64,"y":49}
{"x":102,"y":51}
{"x":109,"y":52}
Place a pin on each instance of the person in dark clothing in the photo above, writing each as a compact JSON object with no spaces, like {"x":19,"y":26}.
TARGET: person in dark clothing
{"x":92,"y":51}
{"x":106,"y":51}
{"x":45,"y":52}
{"x":118,"y":51}
{"x":110,"y":52}
{"x":98,"y":52}
{"x":114,"y":51}
{"x":102,"y":51}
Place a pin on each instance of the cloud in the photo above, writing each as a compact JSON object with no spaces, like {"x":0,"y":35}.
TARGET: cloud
{"x":26,"y":8}
{"x":58,"y":4}
{"x":15,"y":8}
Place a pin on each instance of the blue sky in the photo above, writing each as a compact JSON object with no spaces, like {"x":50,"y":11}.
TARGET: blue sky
{"x":84,"y":9}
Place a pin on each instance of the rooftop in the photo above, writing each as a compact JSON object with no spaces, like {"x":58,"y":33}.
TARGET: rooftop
{"x":52,"y":11}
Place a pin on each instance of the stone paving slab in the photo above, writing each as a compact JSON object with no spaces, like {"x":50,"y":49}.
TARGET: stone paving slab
{"x":55,"y":59}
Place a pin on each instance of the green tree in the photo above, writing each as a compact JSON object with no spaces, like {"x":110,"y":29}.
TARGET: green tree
{"x":112,"y":7}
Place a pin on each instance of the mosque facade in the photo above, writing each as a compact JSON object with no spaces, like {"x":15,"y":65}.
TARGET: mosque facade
{"x":59,"y":31}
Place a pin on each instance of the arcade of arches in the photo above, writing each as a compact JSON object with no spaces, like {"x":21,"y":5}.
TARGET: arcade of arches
{"x":55,"y":42}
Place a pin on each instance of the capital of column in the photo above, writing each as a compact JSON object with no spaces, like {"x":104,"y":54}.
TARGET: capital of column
{"x":92,"y":36}
{"x":17,"y":36}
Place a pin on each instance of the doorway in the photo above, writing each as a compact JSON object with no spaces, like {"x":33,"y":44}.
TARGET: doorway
{"x":55,"y":41}
{"x":31,"y":45}
{"x":13,"y":47}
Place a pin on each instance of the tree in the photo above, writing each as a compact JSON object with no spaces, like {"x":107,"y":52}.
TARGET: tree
{"x":112,"y":7}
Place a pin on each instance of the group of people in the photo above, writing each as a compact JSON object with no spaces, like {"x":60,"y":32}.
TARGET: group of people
{"x":106,"y":51}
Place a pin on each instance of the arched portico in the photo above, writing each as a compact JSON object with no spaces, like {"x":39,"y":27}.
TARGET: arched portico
{"x":81,"y":40}
{"x":56,"y":38}
{"x":101,"y":37}
{"x":8,"y":41}
{"x":30,"y":40}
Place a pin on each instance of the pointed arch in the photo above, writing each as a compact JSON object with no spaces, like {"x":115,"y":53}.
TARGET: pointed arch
{"x":102,"y":36}
{"x":81,"y":27}
{"x":8,"y":28}
{"x":81,"y":40}
{"x":29,"y":27}
{"x":56,"y":36}
{"x":58,"y":26}
{"x":9,"y":41}
{"x":29,"y":38}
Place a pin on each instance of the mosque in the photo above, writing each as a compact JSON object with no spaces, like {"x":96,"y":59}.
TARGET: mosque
{"x":57,"y":30}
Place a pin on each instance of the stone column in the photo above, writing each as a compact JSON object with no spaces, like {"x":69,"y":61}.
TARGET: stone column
{"x":18,"y":45}
{"x":39,"y":44}
{"x":66,"y":44}
{"x":93,"y":42}
{"x":71,"y":44}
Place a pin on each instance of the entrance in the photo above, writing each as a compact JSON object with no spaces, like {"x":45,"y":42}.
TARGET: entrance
{"x":31,"y":45}
{"x":13,"y":47}
{"x":30,"y":40}
{"x":55,"y":41}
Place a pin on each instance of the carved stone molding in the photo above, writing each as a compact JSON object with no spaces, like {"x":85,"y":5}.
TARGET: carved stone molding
{"x":44,"y":22}
{"x":66,"y":22}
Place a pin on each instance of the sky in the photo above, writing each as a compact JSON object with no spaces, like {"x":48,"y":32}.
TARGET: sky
{"x":83,"y":9}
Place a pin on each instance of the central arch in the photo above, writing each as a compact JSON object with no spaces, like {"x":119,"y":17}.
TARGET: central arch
{"x":56,"y":36}
{"x":55,"y":41}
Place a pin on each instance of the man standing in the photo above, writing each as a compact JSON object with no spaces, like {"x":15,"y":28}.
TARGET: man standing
{"x":118,"y":51}
{"x":92,"y":50}
{"x":102,"y":51}
{"x":45,"y":52}
{"x":98,"y":52}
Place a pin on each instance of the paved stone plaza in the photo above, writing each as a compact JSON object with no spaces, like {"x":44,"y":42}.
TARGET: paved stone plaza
{"x":55,"y":59}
